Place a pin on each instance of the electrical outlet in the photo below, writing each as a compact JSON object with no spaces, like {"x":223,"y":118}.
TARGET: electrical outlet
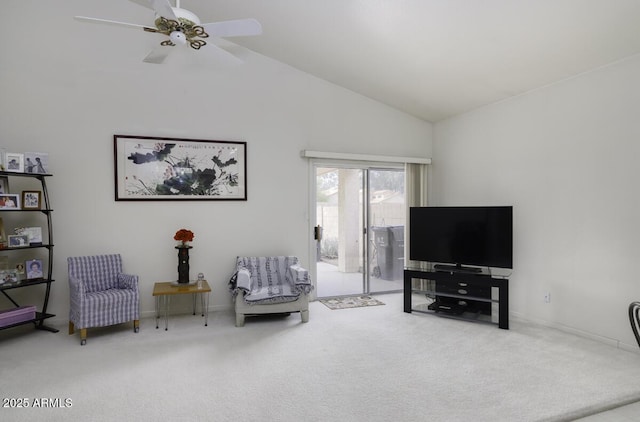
{"x":547,"y":297}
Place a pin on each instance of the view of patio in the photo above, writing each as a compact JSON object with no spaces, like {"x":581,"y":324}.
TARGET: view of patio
{"x":353,"y":228}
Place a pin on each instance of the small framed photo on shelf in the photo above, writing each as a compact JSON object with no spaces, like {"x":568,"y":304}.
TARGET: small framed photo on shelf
{"x":31,"y":199}
{"x":8,"y":276}
{"x":14,"y":162}
{"x":34,"y":269}
{"x":9,"y":201}
{"x":36,"y":162}
{"x":18,"y":240}
{"x":4,"y":185}
{"x":34,"y":234}
{"x":3,"y":236}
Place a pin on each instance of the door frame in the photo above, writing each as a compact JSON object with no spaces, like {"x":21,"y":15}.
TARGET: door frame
{"x":314,"y":163}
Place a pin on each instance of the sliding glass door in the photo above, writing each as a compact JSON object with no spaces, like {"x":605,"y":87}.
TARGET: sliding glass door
{"x":359,"y":230}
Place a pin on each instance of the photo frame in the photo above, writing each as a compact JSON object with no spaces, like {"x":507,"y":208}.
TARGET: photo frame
{"x":153,"y":168}
{"x":36,"y":162}
{"x":18,"y":240}
{"x":34,"y":234}
{"x":3,"y":235}
{"x":34,"y":269}
{"x":9,"y":201}
{"x":8,"y":276}
{"x":31,"y":199}
{"x":4,"y":185}
{"x":14,"y":162}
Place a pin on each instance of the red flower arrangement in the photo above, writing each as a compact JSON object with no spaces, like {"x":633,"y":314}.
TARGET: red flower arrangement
{"x":184,"y":236}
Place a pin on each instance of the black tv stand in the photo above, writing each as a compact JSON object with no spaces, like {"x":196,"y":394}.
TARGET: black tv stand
{"x":458,"y":294}
{"x":457,"y":269}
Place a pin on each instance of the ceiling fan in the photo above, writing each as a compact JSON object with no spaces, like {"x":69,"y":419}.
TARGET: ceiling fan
{"x":183,"y":27}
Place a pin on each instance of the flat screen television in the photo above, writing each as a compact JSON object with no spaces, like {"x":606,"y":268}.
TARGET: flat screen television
{"x":459,"y":236}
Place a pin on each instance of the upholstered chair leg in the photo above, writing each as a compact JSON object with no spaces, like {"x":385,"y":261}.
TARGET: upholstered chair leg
{"x":72,"y":329}
{"x":305,"y":315}
{"x":239,"y":320}
{"x":83,"y":336}
{"x":136,"y":325}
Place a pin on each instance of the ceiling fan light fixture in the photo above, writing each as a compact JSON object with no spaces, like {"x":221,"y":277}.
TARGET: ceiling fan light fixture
{"x":178,"y":38}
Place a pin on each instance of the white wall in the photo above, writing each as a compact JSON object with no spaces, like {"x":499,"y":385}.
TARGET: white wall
{"x":67,"y":87}
{"x":566,"y":157}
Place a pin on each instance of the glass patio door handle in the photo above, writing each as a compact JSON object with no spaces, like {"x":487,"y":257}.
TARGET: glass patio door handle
{"x":317,"y":232}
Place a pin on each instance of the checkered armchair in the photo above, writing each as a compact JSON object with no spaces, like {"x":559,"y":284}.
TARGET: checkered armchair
{"x":101,"y":294}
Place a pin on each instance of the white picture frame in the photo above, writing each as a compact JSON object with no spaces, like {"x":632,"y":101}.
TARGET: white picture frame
{"x":10,"y":201}
{"x":14,"y":162}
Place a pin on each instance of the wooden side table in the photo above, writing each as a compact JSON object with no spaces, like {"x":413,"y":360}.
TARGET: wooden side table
{"x":163,"y":291}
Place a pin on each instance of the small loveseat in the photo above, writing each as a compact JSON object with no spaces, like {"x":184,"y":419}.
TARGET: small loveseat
{"x":270,"y":285}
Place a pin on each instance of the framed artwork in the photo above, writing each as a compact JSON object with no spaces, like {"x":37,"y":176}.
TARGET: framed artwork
{"x":9,"y":201}
{"x":31,"y":199}
{"x":149,"y":168}
{"x":4,"y":185}
{"x":36,"y":162}
{"x":18,"y":240}
{"x":14,"y":162}
{"x":34,"y":269}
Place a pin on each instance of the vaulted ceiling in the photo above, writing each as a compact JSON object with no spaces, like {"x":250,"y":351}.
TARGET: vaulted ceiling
{"x":436,"y":58}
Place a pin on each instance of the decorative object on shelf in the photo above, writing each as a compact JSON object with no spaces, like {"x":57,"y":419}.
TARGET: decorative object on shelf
{"x":34,"y":234}
{"x":200,"y":280}
{"x":34,"y":269}
{"x":183,"y":236}
{"x":18,"y":241}
{"x":152,"y":168}
{"x":36,"y":162}
{"x":31,"y":199}
{"x":9,"y":201}
{"x":14,"y":162}
{"x":4,"y":185}
{"x":9,"y":276}
{"x":3,"y":235}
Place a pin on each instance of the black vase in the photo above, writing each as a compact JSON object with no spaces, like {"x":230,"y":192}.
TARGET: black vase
{"x":183,"y":264}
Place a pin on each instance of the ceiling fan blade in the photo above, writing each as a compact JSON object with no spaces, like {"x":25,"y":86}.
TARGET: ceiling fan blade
{"x":164,"y":9}
{"x":113,"y":23}
{"x":234,"y":28}
{"x":157,"y":55}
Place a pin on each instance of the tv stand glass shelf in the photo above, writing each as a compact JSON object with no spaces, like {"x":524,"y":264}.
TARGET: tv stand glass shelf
{"x":470,"y":295}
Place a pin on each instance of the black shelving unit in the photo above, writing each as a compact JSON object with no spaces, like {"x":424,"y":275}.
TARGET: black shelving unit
{"x":458,"y":294}
{"x":7,"y":288}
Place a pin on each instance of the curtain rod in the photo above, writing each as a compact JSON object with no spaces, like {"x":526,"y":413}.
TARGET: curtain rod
{"x":364,"y":157}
